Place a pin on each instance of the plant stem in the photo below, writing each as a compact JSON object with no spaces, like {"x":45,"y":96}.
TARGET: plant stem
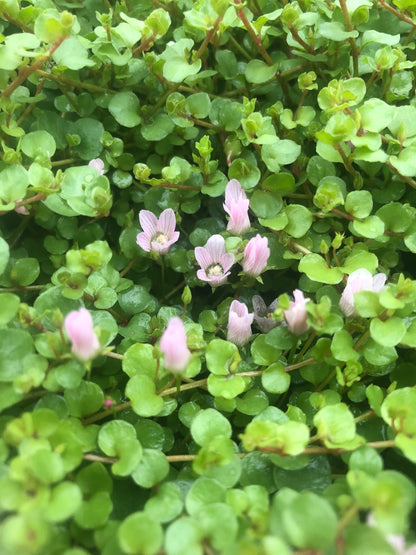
{"x":72,"y":82}
{"x":292,"y":367}
{"x":208,"y":37}
{"x":397,"y":13}
{"x":351,"y":40}
{"x":408,"y":180}
{"x":252,"y":32}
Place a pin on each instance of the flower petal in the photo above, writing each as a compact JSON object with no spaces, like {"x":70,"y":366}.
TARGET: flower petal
{"x":167,"y":222}
{"x":149,"y":222}
{"x":203,"y":257}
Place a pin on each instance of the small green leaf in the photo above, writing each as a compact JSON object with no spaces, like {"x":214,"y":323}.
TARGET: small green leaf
{"x":125,"y":109}
{"x":208,"y":424}
{"x":140,"y":389}
{"x":140,"y":534}
{"x":389,"y":332}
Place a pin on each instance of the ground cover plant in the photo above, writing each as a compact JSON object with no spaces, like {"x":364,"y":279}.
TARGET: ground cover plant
{"x":207,"y":304}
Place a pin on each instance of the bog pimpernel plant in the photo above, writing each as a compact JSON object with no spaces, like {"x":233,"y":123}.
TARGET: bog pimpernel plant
{"x":207,"y":311}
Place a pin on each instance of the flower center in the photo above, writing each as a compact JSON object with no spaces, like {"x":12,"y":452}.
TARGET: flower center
{"x":160,"y":238}
{"x":215,"y":270}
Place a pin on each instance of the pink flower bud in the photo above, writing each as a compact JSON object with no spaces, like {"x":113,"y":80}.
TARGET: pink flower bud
{"x":256,"y":255}
{"x":97,"y":164}
{"x":359,"y":280}
{"x":236,"y":205}
{"x":239,"y":323}
{"x":79,"y":328}
{"x":296,"y":314}
{"x":173,"y":346}
{"x":158,"y":233}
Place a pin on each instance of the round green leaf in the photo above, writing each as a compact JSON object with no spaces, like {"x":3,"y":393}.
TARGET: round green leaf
{"x":9,"y":304}
{"x":208,"y":424}
{"x":140,"y":390}
{"x":139,"y":534}
{"x":387,"y":333}
{"x":274,"y":379}
{"x":152,"y":468}
{"x":125,"y":109}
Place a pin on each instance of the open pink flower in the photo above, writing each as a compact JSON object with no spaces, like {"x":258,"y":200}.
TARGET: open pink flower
{"x":359,"y":280}
{"x":158,"y":234}
{"x":97,"y":164}
{"x":296,"y":314}
{"x":173,"y":346}
{"x":214,"y":261}
{"x":236,"y":205}
{"x":79,"y":327}
{"x":239,"y":323}
{"x":256,"y":255}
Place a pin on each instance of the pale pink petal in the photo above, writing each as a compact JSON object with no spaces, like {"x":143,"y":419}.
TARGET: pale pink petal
{"x":167,"y":222}
{"x":378,"y":282}
{"x":203,"y":257}
{"x":216,"y":247}
{"x":239,"y":323}
{"x":296,"y":315}
{"x":174,"y":347}
{"x":143,"y":240}
{"x":79,"y":327}
{"x":97,"y":164}
{"x":256,"y":255}
{"x":226,"y":261}
{"x":148,"y":221}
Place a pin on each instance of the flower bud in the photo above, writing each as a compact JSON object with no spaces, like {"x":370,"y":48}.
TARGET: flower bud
{"x":173,"y":346}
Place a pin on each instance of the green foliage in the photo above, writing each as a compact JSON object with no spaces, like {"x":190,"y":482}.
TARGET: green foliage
{"x":288,"y":442}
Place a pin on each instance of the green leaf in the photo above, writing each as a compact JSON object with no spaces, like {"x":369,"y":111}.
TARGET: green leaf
{"x":387,"y":333}
{"x":310,"y":522}
{"x":359,"y":203}
{"x":85,"y":399}
{"x":118,"y":439}
{"x":15,"y":345}
{"x":139,"y":359}
{"x":258,"y":72}
{"x":39,"y":145}
{"x":264,"y":353}
{"x":371,"y":227}
{"x":94,"y":511}
{"x":4,"y":255}
{"x":315,"y":267}
{"x":336,"y":426}
{"x":203,"y":492}
{"x":14,"y":181}
{"x":176,"y":56}
{"x":9,"y":305}
{"x":300,"y":220}
{"x":279,"y":153}
{"x":266,"y":204}
{"x":274,"y":379}
{"x":139,"y":534}
{"x":166,"y":504}
{"x":65,"y":500}
{"x":208,"y":424}
{"x":152,"y":468}
{"x":228,"y":386}
{"x":342,"y":346}
{"x":125,"y":109}
{"x":222,"y":357}
{"x":140,"y":389}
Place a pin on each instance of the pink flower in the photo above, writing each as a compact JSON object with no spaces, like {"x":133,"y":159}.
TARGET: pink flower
{"x":236,"y":205}
{"x":214,"y":261}
{"x":256,"y":255}
{"x":97,"y":164}
{"x":79,"y":327}
{"x":239,"y":323}
{"x":296,"y":314}
{"x":158,"y":234}
{"x":173,"y":346}
{"x":359,"y":280}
